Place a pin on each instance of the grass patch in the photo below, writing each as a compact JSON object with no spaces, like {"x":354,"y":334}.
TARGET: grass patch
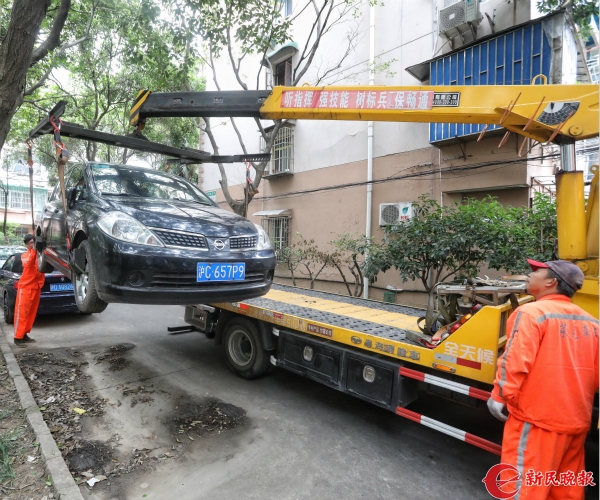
{"x":9,"y":443}
{"x":5,"y":413}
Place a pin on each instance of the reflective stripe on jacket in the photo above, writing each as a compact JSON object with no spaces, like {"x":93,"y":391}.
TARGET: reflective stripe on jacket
{"x":31,"y":277}
{"x":548,"y":373}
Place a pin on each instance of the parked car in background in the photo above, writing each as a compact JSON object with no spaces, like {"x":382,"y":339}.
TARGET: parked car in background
{"x":8,"y":250}
{"x":57,"y":293}
{"x":139,"y":236}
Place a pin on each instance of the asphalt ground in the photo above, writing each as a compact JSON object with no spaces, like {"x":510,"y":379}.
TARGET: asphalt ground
{"x":298,"y":439}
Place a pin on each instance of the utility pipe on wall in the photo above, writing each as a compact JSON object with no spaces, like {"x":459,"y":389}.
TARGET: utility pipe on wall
{"x":370,"y":134}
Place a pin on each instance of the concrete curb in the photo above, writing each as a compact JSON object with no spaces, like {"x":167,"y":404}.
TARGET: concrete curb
{"x":64,"y":484}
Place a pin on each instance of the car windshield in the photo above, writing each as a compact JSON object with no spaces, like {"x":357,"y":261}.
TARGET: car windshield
{"x":7,"y":251}
{"x":123,"y":181}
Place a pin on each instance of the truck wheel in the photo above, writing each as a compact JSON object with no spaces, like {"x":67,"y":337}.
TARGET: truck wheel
{"x":243,"y":349}
{"x":42,"y":263}
{"x":9,"y":314}
{"x":86,"y":296}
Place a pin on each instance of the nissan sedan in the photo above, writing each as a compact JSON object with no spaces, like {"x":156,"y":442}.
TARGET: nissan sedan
{"x":139,"y":236}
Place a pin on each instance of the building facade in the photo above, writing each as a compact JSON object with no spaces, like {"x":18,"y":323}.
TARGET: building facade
{"x":316,"y":182}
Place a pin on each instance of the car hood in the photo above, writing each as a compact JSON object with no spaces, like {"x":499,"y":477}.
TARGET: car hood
{"x":183,"y":216}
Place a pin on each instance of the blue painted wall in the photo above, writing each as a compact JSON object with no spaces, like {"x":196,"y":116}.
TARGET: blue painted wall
{"x":510,"y":59}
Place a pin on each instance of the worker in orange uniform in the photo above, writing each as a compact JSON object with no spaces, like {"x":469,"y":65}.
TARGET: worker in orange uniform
{"x":28,"y":294}
{"x":546,"y":379}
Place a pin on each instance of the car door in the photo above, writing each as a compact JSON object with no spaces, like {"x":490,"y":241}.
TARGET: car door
{"x":76,"y":192}
{"x":8,"y":276}
{"x":48,"y":213}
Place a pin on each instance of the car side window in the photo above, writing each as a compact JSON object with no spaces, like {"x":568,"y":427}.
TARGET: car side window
{"x":8,"y":265}
{"x":18,"y":265}
{"x":77,"y":182}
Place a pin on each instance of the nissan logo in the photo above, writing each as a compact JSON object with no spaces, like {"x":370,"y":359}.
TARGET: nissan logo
{"x":219,"y":244}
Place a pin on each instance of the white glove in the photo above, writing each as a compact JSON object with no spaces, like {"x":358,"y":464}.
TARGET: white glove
{"x":496,"y":409}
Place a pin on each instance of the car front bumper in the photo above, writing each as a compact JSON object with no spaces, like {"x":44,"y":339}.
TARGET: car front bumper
{"x":140,"y":274}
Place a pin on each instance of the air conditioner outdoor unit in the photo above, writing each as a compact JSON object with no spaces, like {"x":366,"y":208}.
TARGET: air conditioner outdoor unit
{"x":394,"y":213}
{"x":459,"y":18}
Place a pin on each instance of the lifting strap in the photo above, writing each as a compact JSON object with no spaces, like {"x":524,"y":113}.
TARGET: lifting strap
{"x":62,"y":157}
{"x":30,"y":163}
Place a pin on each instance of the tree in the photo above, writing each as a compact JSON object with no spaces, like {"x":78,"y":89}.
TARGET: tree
{"x":439,"y":243}
{"x":348,"y":249}
{"x":236,"y":29}
{"x":31,"y":22}
{"x":581,"y":11}
{"x":130,"y":46}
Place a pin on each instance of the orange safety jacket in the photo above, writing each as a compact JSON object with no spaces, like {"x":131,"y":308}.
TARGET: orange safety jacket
{"x":548,"y":373}
{"x":31,"y":277}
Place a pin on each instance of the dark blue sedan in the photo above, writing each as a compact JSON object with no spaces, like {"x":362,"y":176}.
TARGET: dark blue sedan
{"x":57,"y":293}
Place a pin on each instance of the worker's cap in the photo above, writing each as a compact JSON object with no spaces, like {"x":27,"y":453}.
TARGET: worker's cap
{"x":569,"y":272}
{"x":27,"y":238}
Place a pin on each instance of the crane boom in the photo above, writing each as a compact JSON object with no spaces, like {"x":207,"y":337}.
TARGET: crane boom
{"x":559,"y":113}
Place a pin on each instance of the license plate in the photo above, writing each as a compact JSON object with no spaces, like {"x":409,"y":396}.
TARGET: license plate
{"x":221,"y":272}
{"x":59,"y":287}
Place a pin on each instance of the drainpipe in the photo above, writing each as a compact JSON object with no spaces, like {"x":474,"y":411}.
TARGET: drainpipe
{"x":370,"y":134}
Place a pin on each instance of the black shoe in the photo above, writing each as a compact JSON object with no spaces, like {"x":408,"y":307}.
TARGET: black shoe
{"x":27,"y":338}
{"x":20,"y":343}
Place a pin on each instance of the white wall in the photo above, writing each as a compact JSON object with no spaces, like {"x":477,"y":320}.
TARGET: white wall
{"x":402,"y":38}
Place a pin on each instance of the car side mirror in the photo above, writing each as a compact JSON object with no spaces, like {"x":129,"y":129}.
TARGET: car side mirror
{"x":71,"y":197}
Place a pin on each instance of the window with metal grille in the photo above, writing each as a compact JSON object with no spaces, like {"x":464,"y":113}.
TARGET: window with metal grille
{"x":278,"y":229}
{"x":282,"y":153}
{"x":19,"y":200}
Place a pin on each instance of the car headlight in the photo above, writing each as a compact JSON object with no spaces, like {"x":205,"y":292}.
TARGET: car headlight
{"x":125,"y":228}
{"x":264,"y":243}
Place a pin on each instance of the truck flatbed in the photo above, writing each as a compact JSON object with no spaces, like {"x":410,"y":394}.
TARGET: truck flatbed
{"x":387,"y":329}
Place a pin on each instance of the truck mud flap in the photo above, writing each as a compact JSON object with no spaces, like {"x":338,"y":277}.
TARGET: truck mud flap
{"x":368,"y":377}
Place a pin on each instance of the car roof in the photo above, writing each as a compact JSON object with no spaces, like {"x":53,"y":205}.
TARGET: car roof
{"x":140,"y":169}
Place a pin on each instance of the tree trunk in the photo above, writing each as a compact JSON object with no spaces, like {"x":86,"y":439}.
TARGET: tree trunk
{"x":5,"y":214}
{"x":15,"y":57}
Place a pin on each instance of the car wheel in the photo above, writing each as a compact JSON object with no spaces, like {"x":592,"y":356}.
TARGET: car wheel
{"x":243,"y":349}
{"x":42,"y":263}
{"x":86,"y":296}
{"x":9,"y":314}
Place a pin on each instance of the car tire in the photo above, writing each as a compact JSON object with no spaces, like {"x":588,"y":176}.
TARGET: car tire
{"x":244,"y":351}
{"x":9,"y":314}
{"x":42,"y":263}
{"x":86,"y":295}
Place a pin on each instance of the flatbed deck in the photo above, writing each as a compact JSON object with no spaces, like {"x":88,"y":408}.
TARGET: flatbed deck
{"x":387,"y":329}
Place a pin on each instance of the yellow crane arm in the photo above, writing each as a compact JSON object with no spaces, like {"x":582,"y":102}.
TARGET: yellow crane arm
{"x":535,"y":111}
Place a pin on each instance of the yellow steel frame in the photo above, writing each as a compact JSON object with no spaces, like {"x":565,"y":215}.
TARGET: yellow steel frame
{"x":470,"y":352}
{"x":514,"y":107}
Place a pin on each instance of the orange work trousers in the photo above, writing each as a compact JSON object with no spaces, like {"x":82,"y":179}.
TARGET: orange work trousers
{"x":550,"y":464}
{"x":26,"y":306}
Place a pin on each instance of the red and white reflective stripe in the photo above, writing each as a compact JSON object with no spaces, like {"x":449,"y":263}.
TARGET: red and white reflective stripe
{"x":448,"y":384}
{"x":450,"y":431}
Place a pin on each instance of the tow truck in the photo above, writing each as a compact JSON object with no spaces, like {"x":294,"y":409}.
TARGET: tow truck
{"x":379,"y":352}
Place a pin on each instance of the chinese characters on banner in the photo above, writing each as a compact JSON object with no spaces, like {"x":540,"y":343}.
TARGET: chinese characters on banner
{"x":357,"y":99}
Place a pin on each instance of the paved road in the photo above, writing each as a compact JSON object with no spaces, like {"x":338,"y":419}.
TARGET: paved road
{"x":302,"y":440}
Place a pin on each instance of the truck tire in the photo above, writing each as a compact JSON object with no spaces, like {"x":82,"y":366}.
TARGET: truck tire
{"x":42,"y":263}
{"x":243,"y":348}
{"x":9,"y":312}
{"x":86,"y":295}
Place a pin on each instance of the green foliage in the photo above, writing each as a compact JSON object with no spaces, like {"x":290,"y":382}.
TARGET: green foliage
{"x":455,"y":241}
{"x":253,"y":26}
{"x":581,"y":10}
{"x":13,"y":235}
{"x":131,"y":46}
